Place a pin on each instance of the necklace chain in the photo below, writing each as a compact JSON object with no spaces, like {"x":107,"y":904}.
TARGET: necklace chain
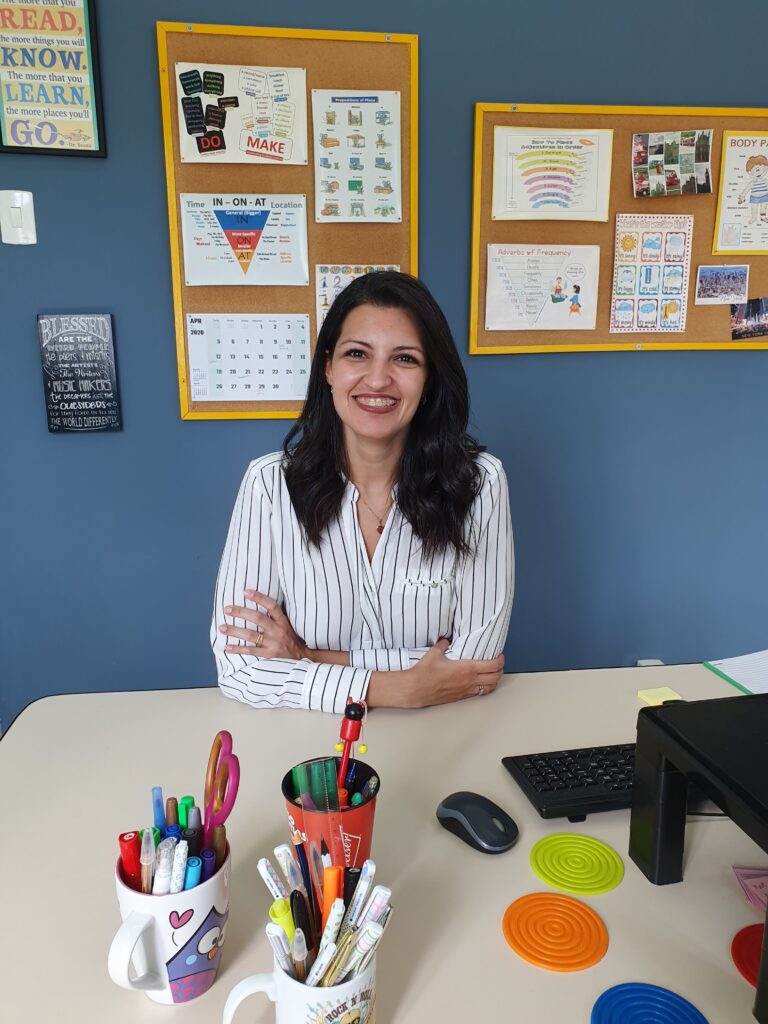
{"x":380,"y":527}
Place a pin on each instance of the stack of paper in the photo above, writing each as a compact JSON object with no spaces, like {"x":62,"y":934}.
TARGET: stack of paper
{"x":749,"y":672}
{"x":754,"y":882}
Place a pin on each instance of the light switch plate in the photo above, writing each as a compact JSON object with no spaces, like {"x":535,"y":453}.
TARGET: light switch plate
{"x":17,"y":217}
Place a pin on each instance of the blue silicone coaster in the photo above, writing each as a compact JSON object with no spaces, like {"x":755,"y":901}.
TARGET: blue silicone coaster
{"x":638,"y":1003}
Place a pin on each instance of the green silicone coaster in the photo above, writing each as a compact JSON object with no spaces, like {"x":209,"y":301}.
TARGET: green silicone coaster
{"x":577,"y":864}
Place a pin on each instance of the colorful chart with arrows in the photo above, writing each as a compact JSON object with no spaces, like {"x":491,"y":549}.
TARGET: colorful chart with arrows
{"x":551,"y":175}
{"x":243,"y":231}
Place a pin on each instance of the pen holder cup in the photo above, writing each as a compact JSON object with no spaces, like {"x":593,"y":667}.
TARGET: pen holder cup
{"x":173,"y":943}
{"x":352,"y":1002}
{"x":308,"y":826}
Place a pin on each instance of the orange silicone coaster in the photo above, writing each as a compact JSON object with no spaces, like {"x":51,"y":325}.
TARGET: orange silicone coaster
{"x":556,"y":932}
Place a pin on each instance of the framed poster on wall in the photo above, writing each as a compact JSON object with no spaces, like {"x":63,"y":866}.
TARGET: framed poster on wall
{"x":50,"y":94}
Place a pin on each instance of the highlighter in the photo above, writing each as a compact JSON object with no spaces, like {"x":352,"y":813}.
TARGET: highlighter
{"x":333,"y":887}
{"x":280,"y":914}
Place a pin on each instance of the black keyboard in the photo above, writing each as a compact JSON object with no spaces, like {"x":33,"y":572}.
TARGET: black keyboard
{"x":574,"y":783}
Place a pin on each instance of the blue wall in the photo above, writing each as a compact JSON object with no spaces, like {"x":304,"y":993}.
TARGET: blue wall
{"x":638,"y":481}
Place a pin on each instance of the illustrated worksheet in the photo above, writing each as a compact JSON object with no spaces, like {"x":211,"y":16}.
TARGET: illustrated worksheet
{"x":742,"y":206}
{"x":237,"y":114}
{"x":551,"y":174}
{"x":332,"y":278}
{"x":242,"y":358}
{"x":542,"y":288}
{"x":652,"y":263}
{"x":357,"y":155}
{"x":244,"y":239}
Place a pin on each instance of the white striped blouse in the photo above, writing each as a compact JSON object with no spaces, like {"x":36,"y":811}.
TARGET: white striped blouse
{"x":386,"y":611}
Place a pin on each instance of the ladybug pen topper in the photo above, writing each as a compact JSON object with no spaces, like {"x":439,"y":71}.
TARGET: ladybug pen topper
{"x":351,"y":728}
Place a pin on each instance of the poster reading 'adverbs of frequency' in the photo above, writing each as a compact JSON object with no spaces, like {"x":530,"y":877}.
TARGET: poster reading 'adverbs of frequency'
{"x":357,"y":155}
{"x":236,"y":239}
{"x":235,"y":114}
{"x":672,"y":163}
{"x":332,"y":278}
{"x":650,"y":273}
{"x":542,"y":288}
{"x":242,"y":358}
{"x":742,"y":205}
{"x":46,"y":77}
{"x":545,"y":174}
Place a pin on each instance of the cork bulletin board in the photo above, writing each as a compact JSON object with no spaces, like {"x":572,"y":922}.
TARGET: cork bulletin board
{"x":333,"y":61}
{"x":706,"y":326}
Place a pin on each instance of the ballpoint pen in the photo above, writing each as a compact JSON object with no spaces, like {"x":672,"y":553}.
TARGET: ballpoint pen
{"x":162,"y":881}
{"x":290,"y":868}
{"x":333,"y":924}
{"x":378,"y":901}
{"x":302,"y":919}
{"x":281,"y":948}
{"x":361,"y":895}
{"x":320,"y":965}
{"x":276,"y":888}
{"x":383,"y":921}
{"x":299,"y":954}
{"x":147,"y":860}
{"x":179,"y":866}
{"x":366,"y":939}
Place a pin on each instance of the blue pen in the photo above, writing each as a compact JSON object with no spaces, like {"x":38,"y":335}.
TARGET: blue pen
{"x":192,"y":873}
{"x":350,"y":779}
{"x":159,"y":808}
{"x":173,"y":830}
{"x":208,"y":857}
{"x":301,"y":855}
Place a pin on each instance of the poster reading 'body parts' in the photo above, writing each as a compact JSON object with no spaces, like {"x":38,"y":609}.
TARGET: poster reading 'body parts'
{"x":545,"y":174}
{"x":236,"y":239}
{"x":542,"y":288}
{"x":237,"y":114}
{"x":236,"y":357}
{"x":652,"y":264}
{"x":742,"y":205}
{"x":357,"y":155}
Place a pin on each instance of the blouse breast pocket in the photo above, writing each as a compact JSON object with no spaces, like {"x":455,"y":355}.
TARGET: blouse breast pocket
{"x":427,"y":607}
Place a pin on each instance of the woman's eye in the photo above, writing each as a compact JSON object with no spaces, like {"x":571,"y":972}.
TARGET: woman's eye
{"x":354,"y":353}
{"x":408,"y":359}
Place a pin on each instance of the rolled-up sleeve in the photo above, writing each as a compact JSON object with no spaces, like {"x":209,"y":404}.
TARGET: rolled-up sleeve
{"x":249,"y":563}
{"x":486,"y":577}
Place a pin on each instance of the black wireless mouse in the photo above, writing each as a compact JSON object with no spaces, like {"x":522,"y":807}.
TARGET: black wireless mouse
{"x":478,"y":821}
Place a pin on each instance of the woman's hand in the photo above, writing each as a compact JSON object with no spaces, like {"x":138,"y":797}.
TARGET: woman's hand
{"x":273,"y":636}
{"x":435,"y":680}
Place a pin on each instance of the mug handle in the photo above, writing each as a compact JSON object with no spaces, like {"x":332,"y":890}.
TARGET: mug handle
{"x":256,"y":983}
{"x":121,"y":950}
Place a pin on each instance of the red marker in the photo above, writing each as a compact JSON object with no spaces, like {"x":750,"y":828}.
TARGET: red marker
{"x":130,"y":852}
{"x":351,"y":725}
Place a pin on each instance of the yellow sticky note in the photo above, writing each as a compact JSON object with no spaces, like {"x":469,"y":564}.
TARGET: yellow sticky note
{"x":658,"y":695}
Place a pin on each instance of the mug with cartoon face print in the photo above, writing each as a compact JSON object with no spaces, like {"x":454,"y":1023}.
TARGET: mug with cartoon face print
{"x":352,"y":1002}
{"x":173,"y":942}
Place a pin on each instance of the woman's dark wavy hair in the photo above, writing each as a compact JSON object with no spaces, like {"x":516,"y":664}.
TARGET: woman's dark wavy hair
{"x":438,"y":476}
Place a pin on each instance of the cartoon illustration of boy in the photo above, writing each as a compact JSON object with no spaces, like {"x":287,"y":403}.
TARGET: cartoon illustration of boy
{"x":757,"y":187}
{"x":575,"y":300}
{"x":557,"y":290}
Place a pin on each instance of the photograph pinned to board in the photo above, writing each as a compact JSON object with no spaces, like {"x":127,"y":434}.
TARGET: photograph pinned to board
{"x":542,"y":288}
{"x":652,"y":262}
{"x":239,"y":357}
{"x":721,"y":285}
{"x":749,"y":320}
{"x":79,"y":375}
{"x":238,"y":114}
{"x":742,"y":204}
{"x":244,"y":239}
{"x":672,"y":163}
{"x":357,"y":155}
{"x":551,"y":174}
{"x":333,"y":278}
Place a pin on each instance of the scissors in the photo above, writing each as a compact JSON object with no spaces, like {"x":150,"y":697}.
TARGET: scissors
{"x":222,"y":780}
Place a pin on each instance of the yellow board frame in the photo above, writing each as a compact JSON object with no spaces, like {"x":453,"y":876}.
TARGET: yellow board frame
{"x":551,"y":108}
{"x":164,"y":28}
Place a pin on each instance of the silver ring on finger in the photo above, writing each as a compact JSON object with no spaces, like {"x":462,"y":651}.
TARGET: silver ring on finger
{"x":480,"y":691}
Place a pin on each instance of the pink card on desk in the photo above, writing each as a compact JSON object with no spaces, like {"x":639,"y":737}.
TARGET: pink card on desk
{"x":754,"y":882}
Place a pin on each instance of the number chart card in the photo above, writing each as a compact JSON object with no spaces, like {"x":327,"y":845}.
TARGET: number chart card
{"x":357,"y":155}
{"x":652,"y":264}
{"x":541,"y":287}
{"x":242,"y":115}
{"x":243,"y":358}
{"x":332,"y":278}
{"x":245,"y":239}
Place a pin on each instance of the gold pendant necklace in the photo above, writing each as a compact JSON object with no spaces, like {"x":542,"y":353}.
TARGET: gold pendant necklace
{"x":380,"y":527}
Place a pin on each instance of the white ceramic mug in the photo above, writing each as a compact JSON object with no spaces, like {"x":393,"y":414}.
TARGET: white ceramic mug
{"x":353,"y":1002}
{"x":173,"y":942}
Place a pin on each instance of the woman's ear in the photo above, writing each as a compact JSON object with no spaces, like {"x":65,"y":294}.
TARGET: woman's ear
{"x":328,"y":370}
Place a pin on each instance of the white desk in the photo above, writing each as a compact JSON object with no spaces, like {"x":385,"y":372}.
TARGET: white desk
{"x":84,"y":765}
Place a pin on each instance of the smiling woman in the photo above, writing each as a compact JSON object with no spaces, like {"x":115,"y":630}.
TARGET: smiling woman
{"x":371,"y":558}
